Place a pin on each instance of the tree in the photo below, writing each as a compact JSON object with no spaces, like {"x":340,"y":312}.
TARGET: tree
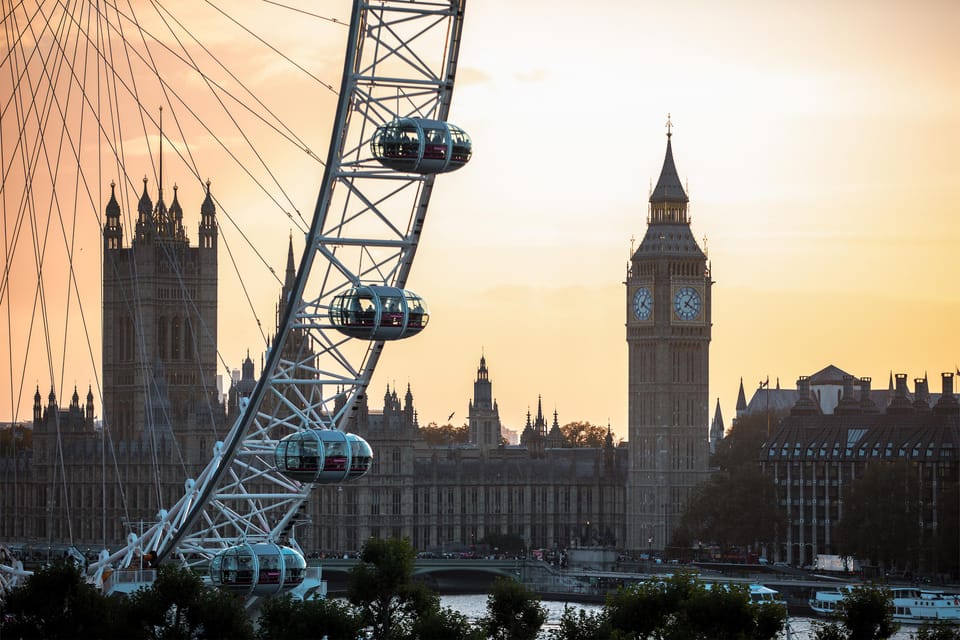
{"x":382,"y":587}
{"x":584,"y":434}
{"x":577,"y":624}
{"x":942,"y":547}
{"x":283,"y":618}
{"x":513,"y":612}
{"x":882,"y":515}
{"x":56,"y":602}
{"x":509,"y":543}
{"x":864,"y":614}
{"x":446,"y":435}
{"x":443,"y":623}
{"x":741,"y":447}
{"x":939,"y":630}
{"x":178,"y":605}
{"x":682,"y":608}
{"x":716,"y":511}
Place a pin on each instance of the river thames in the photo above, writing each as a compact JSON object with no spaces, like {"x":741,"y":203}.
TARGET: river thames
{"x":474,"y":607}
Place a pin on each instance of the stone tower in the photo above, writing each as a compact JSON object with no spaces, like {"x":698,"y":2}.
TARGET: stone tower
{"x":483,"y":414}
{"x":668,"y":340}
{"x":159,"y":318}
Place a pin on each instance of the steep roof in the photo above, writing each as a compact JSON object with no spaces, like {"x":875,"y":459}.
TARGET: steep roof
{"x":830,"y":374}
{"x":668,"y":187}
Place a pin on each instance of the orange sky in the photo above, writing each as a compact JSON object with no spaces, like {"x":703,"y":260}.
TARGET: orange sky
{"x":819,"y":142}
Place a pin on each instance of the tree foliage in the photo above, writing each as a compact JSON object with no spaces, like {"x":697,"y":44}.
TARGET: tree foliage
{"x":943,"y":545}
{"x":864,"y":614}
{"x":55,"y":602}
{"x":939,"y":630}
{"x":382,"y":587}
{"x":882,"y":515}
{"x":509,"y":543}
{"x":741,"y":447}
{"x":513,"y":612}
{"x":578,"y":624}
{"x":715,"y":513}
{"x":283,"y":618}
{"x":445,"y":435}
{"x":443,"y":623}
{"x":584,"y":434}
{"x":15,"y":439}
{"x":682,"y":608}
{"x":178,"y":606}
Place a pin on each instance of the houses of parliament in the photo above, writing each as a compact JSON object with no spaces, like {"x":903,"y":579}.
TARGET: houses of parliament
{"x":162,"y":407}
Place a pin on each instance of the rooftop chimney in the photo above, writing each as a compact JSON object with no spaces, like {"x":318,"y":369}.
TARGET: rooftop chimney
{"x":805,"y":406}
{"x":947,"y":402}
{"x":900,"y":402}
{"x":867,"y":405}
{"x":848,"y":403}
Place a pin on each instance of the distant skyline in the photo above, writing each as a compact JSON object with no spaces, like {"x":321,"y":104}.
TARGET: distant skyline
{"x":819,"y":144}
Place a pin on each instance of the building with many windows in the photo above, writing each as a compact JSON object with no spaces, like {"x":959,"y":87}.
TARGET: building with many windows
{"x":815,"y":455}
{"x":160,"y":401}
{"x":668,"y":327}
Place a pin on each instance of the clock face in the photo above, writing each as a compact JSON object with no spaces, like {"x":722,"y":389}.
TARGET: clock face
{"x":642,"y":303}
{"x":686,"y":303}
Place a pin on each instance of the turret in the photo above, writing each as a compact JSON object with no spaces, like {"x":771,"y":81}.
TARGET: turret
{"x":112,"y":228}
{"x":144,"y":228}
{"x":208,"y":223}
{"x":555,"y":438}
{"x":37,"y":409}
{"x":89,"y":411}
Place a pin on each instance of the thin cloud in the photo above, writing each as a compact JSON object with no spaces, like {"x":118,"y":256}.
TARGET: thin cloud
{"x":534,"y":75}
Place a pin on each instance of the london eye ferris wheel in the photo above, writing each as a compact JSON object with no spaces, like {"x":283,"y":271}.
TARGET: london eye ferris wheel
{"x":90,"y":87}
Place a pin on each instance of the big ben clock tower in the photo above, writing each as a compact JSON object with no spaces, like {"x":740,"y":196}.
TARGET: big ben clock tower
{"x":668,"y":337}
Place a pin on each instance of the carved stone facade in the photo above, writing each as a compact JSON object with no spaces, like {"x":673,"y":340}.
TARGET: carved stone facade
{"x":668,"y":322}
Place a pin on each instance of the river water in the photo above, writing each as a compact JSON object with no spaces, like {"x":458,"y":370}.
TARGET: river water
{"x":475,"y":606}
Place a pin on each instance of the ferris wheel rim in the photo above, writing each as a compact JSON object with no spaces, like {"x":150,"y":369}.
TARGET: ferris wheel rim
{"x":386,"y":260}
{"x":158,"y":538}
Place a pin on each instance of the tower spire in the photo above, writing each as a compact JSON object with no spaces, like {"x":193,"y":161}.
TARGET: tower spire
{"x":291,"y":270}
{"x":669,"y":189}
{"x":160,"y":183}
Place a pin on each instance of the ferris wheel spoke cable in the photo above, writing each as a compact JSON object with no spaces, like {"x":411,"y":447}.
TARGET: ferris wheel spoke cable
{"x":377,"y":260}
{"x":130,"y":86}
{"x":273,"y":48}
{"x":275,"y":122}
{"x":239,"y":129}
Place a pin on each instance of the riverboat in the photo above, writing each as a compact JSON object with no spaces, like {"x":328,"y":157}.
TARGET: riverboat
{"x":911,"y":605}
{"x":759,"y":594}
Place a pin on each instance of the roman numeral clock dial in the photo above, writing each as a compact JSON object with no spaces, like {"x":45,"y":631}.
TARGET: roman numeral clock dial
{"x":642,"y":303}
{"x":687,"y":303}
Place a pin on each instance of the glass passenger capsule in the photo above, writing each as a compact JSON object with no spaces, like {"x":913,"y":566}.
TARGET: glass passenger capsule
{"x":323,"y":456}
{"x":418,"y":145}
{"x":258,"y":569}
{"x":375,"y":312}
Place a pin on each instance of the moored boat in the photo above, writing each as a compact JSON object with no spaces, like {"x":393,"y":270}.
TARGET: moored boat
{"x":912,"y":605}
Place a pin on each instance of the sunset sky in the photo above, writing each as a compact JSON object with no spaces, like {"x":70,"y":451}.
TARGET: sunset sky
{"x":820,"y":146}
{"x":820,"y":143}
